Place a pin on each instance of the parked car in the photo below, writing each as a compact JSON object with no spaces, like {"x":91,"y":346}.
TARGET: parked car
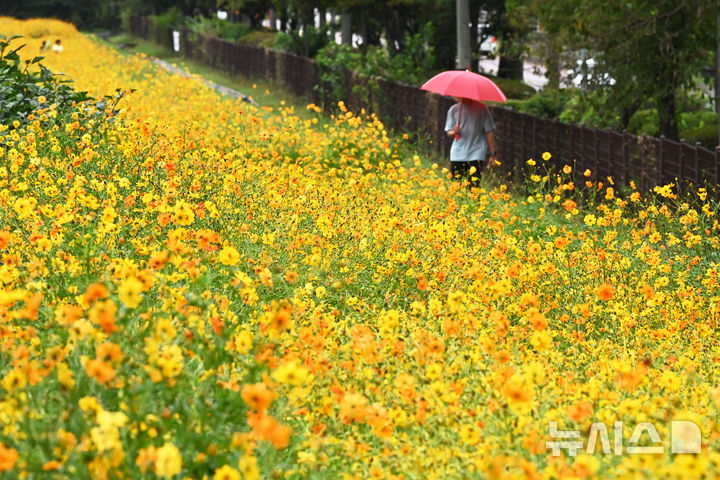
{"x":488,"y":47}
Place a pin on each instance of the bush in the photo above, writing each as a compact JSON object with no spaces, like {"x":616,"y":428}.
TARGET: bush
{"x":697,"y":119}
{"x":547,"y":103}
{"x":644,"y":121}
{"x":308,"y":44}
{"x":413,"y":65}
{"x":168,"y":20}
{"x":24,"y":91}
{"x":513,"y":89}
{"x":259,"y":38}
{"x":707,"y":136}
{"x":215,"y":27}
{"x":333,"y":60}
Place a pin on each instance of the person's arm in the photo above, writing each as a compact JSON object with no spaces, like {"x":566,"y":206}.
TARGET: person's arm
{"x":492,"y":158}
{"x":453,"y":132}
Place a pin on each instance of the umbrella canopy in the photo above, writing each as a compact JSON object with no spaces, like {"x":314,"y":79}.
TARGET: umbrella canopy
{"x":465,"y":84}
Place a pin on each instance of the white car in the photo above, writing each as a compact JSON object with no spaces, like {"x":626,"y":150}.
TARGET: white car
{"x":488,"y":47}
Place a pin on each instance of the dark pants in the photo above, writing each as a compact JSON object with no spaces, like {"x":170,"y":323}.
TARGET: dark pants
{"x":461,"y":170}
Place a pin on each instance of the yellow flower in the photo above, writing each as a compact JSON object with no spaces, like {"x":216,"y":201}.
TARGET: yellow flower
{"x":433,"y":371}
{"x":24,"y":207}
{"x":229,"y":256}
{"x":546,"y":156}
{"x":184,"y":214}
{"x":249,"y":468}
{"x":130,"y":292}
{"x":290,"y":373}
{"x":519,"y":395}
{"x":168,"y":461}
{"x":226,"y":472}
{"x":470,"y":434}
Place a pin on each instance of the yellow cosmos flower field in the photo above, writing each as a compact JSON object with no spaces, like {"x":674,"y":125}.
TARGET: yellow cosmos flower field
{"x":203,"y":289}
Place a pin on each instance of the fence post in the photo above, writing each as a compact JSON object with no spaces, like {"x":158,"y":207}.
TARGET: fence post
{"x":625,"y":160}
{"x":697,"y":163}
{"x":661,"y":159}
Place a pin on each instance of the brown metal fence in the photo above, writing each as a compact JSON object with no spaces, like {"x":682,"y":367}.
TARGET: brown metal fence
{"x":645,"y":160}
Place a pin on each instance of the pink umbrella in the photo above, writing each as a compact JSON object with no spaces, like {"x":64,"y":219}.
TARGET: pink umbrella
{"x":465,"y":84}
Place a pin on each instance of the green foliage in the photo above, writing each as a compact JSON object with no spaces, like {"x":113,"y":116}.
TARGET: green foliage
{"x":308,"y":44}
{"x":411,"y":65}
{"x":547,"y":103}
{"x":172,"y":18}
{"x":215,"y":27}
{"x":333,"y":61}
{"x":514,"y":89}
{"x":701,"y":126}
{"x":26,"y":87}
{"x":644,"y":121}
{"x":697,"y":119}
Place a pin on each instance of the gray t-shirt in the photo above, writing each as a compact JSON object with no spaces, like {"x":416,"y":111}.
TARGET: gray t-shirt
{"x":475,"y":122}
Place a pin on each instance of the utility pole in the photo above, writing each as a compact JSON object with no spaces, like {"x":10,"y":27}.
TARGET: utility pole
{"x":462,"y":9}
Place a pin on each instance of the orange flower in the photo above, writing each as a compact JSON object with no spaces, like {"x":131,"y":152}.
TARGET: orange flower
{"x":52,"y":465}
{"x":100,"y":371}
{"x":8,"y":456}
{"x":4,"y":239}
{"x":291,"y":276}
{"x":281,"y":319}
{"x":537,"y":319}
{"x":95,"y":291}
{"x":580,"y":411}
{"x":258,"y":396}
{"x":109,"y":352}
{"x":352,"y":407}
{"x":605,"y":292}
{"x":569,"y":205}
{"x":648,"y":291}
{"x":266,"y":427}
{"x":32,"y":305}
{"x":158,"y":260}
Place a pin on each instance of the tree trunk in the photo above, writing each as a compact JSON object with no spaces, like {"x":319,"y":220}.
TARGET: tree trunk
{"x":272,"y":19}
{"x":717,"y":71}
{"x":346,"y":27}
{"x":474,"y":20}
{"x":510,"y":67}
{"x":553,"y":67}
{"x":667,"y":115}
{"x":462,"y":10}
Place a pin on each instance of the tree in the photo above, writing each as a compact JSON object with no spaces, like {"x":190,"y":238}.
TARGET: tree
{"x":553,"y":32}
{"x":649,"y":49}
{"x":254,"y":10}
{"x":511,"y":38}
{"x":463,"y":33}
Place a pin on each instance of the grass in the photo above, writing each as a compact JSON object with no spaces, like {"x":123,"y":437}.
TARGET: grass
{"x":263,"y":92}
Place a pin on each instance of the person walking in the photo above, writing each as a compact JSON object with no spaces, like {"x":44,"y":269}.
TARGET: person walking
{"x":472,"y":126}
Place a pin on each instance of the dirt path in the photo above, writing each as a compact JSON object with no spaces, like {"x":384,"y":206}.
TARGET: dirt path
{"x":221,"y":89}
